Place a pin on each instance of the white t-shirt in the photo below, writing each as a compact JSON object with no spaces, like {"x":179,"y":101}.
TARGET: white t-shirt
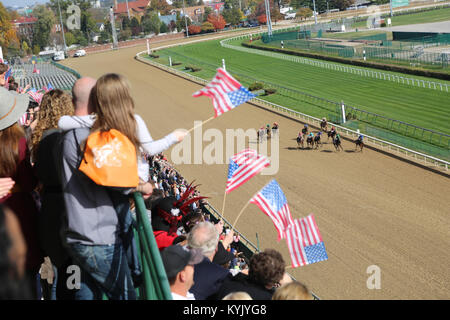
{"x":149,"y":145}
{"x":189,"y":296}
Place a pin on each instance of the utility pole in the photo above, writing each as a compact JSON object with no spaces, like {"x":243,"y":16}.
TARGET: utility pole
{"x":62,"y":29}
{"x":268,"y":20}
{"x":128,"y":11}
{"x":315,"y":13}
{"x":113,"y":28}
{"x":185,"y":20}
{"x":390,"y":7}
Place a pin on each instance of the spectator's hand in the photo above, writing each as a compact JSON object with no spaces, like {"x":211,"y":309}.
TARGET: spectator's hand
{"x":228,"y":239}
{"x":145,"y":188}
{"x":6,"y":184}
{"x":180,"y":134}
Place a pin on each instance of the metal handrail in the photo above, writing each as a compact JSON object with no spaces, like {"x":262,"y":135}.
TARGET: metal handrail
{"x":155,"y":285}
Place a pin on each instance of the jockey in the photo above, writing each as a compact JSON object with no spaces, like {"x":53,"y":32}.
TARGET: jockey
{"x":333,"y":129}
{"x":360,"y":137}
{"x":275,"y":125}
{"x":311,"y":134}
{"x":300,"y":134}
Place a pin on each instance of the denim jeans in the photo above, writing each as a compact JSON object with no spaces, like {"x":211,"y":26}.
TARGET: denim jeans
{"x":104,"y":269}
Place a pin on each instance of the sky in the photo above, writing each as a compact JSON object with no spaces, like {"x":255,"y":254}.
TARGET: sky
{"x":21,"y":3}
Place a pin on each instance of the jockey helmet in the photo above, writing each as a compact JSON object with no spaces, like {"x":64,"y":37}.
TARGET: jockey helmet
{"x":306,"y":126}
{"x":268,"y":126}
{"x":360,"y":137}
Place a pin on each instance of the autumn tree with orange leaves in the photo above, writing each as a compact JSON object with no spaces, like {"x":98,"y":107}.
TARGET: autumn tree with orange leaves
{"x":8,"y":37}
{"x":217,"y":21}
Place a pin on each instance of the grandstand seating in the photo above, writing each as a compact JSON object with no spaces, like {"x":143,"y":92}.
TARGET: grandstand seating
{"x":48,"y":73}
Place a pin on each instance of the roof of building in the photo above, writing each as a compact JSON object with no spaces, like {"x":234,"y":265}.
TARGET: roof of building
{"x":25,"y":20}
{"x":137,"y":6}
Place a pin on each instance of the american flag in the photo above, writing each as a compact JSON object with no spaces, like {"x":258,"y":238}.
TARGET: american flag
{"x":225,"y":91}
{"x":243,"y":170}
{"x":272,"y":201}
{"x":37,"y":96}
{"x":305,"y":242}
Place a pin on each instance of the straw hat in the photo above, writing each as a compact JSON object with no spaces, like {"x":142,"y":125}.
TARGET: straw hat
{"x":12,"y":107}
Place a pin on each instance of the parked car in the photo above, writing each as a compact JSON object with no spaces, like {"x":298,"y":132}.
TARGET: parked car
{"x":80,"y":53}
{"x":58,"y":56}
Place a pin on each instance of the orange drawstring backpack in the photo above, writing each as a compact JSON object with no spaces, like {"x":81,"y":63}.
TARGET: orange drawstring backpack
{"x":110,"y":160}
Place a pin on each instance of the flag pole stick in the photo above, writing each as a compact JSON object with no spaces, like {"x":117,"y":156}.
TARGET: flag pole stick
{"x":237,"y":218}
{"x":223,"y":203}
{"x":203,"y":122}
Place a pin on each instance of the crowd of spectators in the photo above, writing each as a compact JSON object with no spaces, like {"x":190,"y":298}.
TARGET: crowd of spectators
{"x":54,"y":217}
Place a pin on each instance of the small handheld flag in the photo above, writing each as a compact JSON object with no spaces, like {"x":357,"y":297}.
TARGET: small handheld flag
{"x":305,"y":242}
{"x":272,"y":201}
{"x":225,"y":92}
{"x":37,"y":96}
{"x":243,"y":170}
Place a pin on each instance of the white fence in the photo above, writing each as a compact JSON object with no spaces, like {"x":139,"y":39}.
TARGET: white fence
{"x":337,"y":67}
{"x":315,"y":121}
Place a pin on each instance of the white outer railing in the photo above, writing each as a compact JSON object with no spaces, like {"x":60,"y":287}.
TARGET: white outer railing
{"x":385,"y":76}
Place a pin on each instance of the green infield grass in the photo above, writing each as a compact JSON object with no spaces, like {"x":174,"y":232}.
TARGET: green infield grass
{"x":436,"y":15}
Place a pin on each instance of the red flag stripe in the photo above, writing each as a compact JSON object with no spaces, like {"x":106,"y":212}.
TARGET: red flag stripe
{"x":231,"y":80}
{"x":315,"y":228}
{"x":300,"y":249}
{"x":296,"y":250}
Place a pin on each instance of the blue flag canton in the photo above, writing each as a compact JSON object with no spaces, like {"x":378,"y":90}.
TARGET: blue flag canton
{"x":316,"y":253}
{"x":232,"y":167}
{"x":274,"y":195}
{"x":240,"y":96}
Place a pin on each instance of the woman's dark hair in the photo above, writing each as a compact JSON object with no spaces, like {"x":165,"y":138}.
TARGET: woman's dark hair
{"x":266,"y":267}
{"x":11,"y":287}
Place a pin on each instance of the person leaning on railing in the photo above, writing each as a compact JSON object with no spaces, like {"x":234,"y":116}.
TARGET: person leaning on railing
{"x":94,"y":225}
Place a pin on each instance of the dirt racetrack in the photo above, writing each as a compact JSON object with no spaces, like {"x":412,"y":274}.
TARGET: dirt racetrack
{"x":371,"y":208}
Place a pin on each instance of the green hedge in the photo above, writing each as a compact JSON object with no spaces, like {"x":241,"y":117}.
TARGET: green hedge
{"x":387,"y":67}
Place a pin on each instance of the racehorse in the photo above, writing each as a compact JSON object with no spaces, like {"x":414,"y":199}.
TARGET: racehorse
{"x":305,"y":131}
{"x":359,"y":144}
{"x":261,"y":132}
{"x":332,"y":134}
{"x":317,"y":139}
{"x":310,"y":141}
{"x":269,"y":132}
{"x":324,"y":125}
{"x":275,"y":128}
{"x":300,"y":141}
{"x":337,"y":143}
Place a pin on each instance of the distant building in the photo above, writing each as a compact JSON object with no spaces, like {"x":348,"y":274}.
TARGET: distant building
{"x":193,"y":13}
{"x":133,"y":8}
{"x":24,"y":26}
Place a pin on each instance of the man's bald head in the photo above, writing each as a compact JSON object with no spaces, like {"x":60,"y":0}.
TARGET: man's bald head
{"x":80,"y":92}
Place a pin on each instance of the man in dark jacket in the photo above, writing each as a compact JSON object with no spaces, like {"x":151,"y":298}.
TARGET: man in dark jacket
{"x":208,"y":276}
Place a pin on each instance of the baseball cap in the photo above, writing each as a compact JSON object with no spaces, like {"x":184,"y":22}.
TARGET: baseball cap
{"x":175,"y":258}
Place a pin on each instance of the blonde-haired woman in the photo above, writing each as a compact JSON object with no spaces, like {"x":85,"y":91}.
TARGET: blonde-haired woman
{"x":95,"y":220}
{"x":292,"y":291}
{"x":46,"y":152}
